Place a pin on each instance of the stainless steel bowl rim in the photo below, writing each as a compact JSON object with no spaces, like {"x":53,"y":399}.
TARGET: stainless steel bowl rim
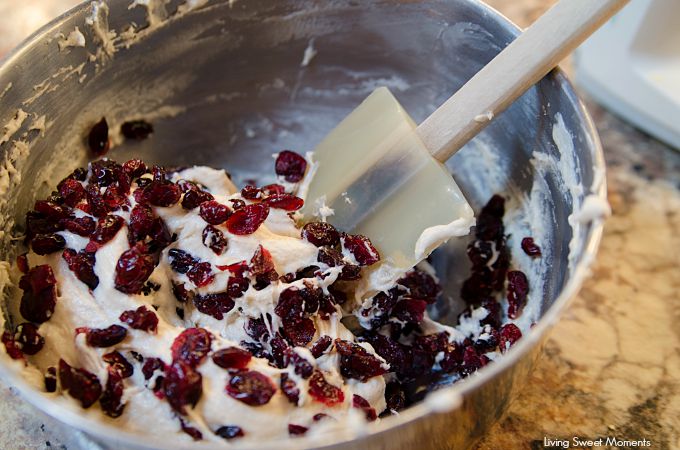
{"x":458,"y":390}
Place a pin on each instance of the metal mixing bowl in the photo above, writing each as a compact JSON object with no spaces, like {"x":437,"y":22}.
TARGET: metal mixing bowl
{"x":224,"y":86}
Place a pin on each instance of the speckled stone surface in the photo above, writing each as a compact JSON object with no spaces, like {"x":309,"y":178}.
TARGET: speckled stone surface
{"x":612,"y":364}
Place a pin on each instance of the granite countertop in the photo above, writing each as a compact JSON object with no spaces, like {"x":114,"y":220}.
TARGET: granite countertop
{"x":611,"y":365}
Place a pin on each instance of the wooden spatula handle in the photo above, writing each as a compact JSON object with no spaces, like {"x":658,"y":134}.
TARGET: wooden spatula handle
{"x":512,"y":72}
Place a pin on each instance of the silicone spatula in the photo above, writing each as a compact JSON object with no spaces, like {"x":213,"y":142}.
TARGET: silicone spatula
{"x":384,"y":177}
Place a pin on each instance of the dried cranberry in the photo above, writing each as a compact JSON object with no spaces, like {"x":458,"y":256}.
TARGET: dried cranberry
{"x":141,"y":223}
{"x":302,"y":367}
{"x":164,"y":194}
{"x":82,"y":226}
{"x":321,"y":345}
{"x":98,"y":139}
{"x":391,"y":351}
{"x":394,"y":396}
{"x":105,"y":172}
{"x":28,"y":338}
{"x":361,"y":403}
{"x":181,"y":261}
{"x":262,"y":267}
{"x":44,"y":244}
{"x":80,"y":384}
{"x":11,"y":346}
{"x":290,"y":304}
{"x":290,"y":166}
{"x":201,"y":274}
{"x":191,"y":431}
{"x":151,"y":365}
{"x":409,"y":310}
{"x":356,"y":362}
{"x":181,"y":293}
{"x":182,"y":385}
{"x":111,"y":399}
{"x":299,"y":332}
{"x":290,"y":389}
{"x":257,"y":329}
{"x":22,"y":263}
{"x":119,"y":364}
{"x":518,"y":289}
{"x":272,"y":189}
{"x":51,"y":379}
{"x":248,"y":219}
{"x":72,"y":191}
{"x":82,"y":265}
{"x":324,"y":392}
{"x":52,"y":211}
{"x":103,"y":337}
{"x":421,"y":285}
{"x":362,"y":249}
{"x":251,"y":192}
{"x":488,"y":340}
{"x":490,"y":220}
{"x":140,"y":319}
{"x":40,"y":294}
{"x":191,"y":346}
{"x":136,"y":129}
{"x":250,"y":387}
{"x":279,"y":348}
{"x":107,"y":228}
{"x":134,"y":267}
{"x":471,"y":361}
{"x":509,"y":335}
{"x":530,"y":247}
{"x":321,"y":416}
{"x":214,"y":212}
{"x":236,"y":286}
{"x":232,"y":358}
{"x":215,"y":305}
{"x":296,"y":430}
{"x":193,"y":198}
{"x":214,"y":239}
{"x":320,"y":234}
{"x":287,"y":202}
{"x":135,"y":168}
{"x":237,"y":204}
{"x":229,"y":432}
{"x":95,"y":202}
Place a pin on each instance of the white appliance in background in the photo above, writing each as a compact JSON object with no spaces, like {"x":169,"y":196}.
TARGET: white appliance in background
{"x":632,"y":67}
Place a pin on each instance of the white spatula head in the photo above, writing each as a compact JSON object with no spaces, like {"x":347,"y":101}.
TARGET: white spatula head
{"x":376,"y":175}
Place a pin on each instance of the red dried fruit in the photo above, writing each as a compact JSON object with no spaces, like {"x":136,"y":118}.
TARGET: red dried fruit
{"x":296,"y":430}
{"x":181,"y":293}
{"x":518,"y":289}
{"x":490,"y":220}
{"x":182,"y":386}
{"x":324,"y":392}
{"x":421,"y":285}
{"x":257,"y":329}
{"x":290,"y":389}
{"x":320,"y":416}
{"x":272,"y":189}
{"x":530,"y":247}
{"x":111,"y":399}
{"x":237,"y":204}
{"x":193,"y":198}
{"x":151,"y":365}
{"x":51,"y":210}
{"x":28,"y":339}
{"x":95,"y":202}
{"x":119,"y":364}
{"x":509,"y":334}
{"x":290,"y":166}
{"x":191,"y":431}
{"x":394,"y":396}
{"x":409,"y":310}
{"x":80,"y":384}
{"x":22,"y":263}
{"x":107,"y":228}
{"x":141,"y":223}
{"x":361,"y":403}
{"x":236,"y":286}
{"x":299,"y":332}
{"x":98,"y":138}
{"x":251,"y":387}
{"x":232,"y":358}
{"x":356,"y":362}
{"x":40,"y":294}
{"x":191,"y":346}
{"x":391,"y":351}
{"x":287,"y":202}
{"x":362,"y":249}
{"x":215,"y":305}
{"x":103,"y":337}
{"x":290,"y":304}
{"x":44,"y":244}
{"x":181,"y":261}
{"x":321,"y":345}
{"x":214,"y":239}
{"x":82,"y":265}
{"x":201,"y":274}
{"x":140,"y":319}
{"x":214,"y":212}
{"x":302,"y":367}
{"x":51,"y":379}
{"x":251,"y":192}
{"x":82,"y":226}
{"x":320,"y":234}
{"x":160,"y":193}
{"x":134,"y":267}
{"x":11,"y":346}
{"x":229,"y":432}
{"x":72,"y":191}
{"x":247,"y":219}
{"x":136,"y":129}
{"x":487,"y":341}
{"x":471,"y":361}
{"x":135,"y":168}
{"x":262,"y":267}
